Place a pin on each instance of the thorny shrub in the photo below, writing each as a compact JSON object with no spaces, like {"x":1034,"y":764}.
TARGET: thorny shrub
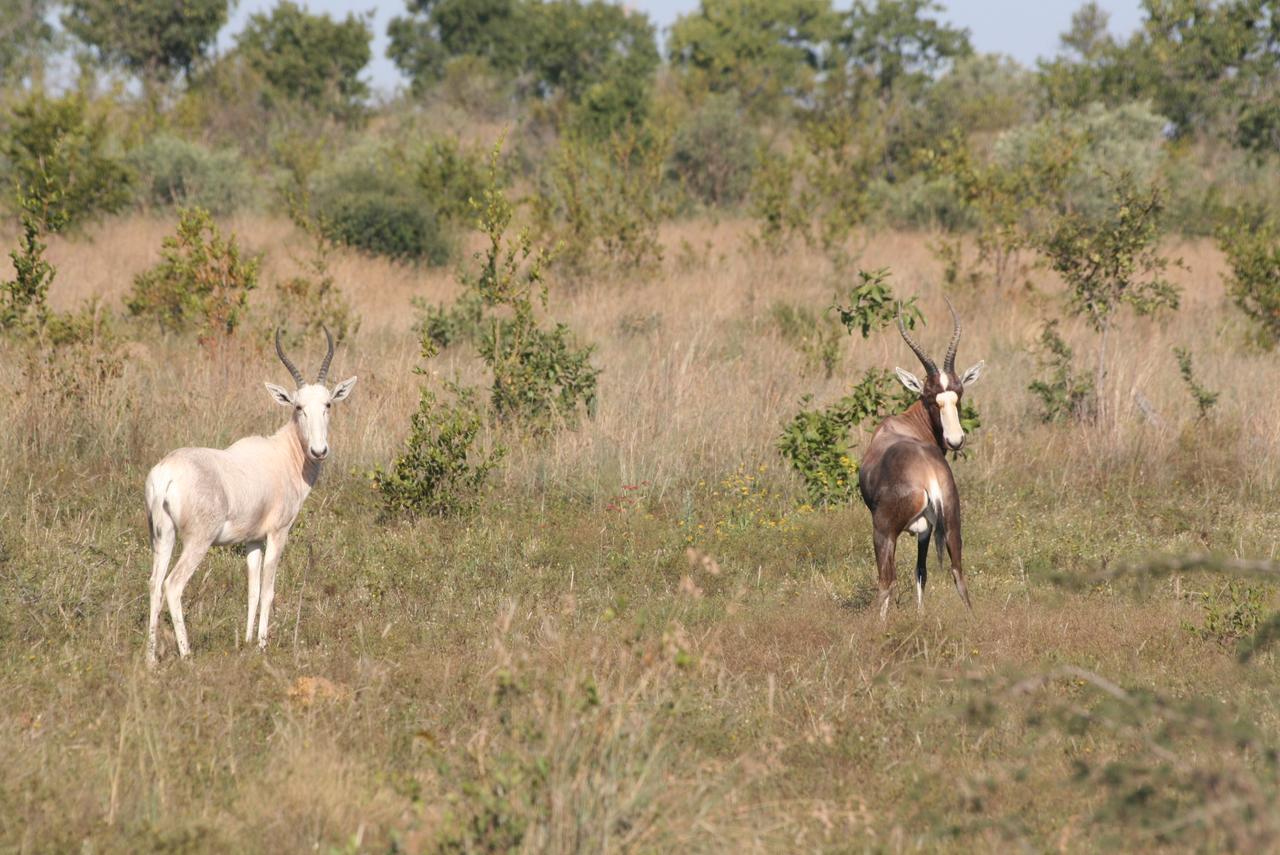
{"x":202,"y":282}
{"x":1204,"y":398}
{"x":310,"y":300}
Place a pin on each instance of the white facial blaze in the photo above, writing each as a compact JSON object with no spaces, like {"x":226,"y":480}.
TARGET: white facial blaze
{"x":951,"y":430}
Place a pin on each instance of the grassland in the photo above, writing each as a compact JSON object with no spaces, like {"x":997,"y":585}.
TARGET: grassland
{"x":643,"y":641}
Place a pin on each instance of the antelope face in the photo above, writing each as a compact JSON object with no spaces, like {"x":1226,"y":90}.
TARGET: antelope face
{"x":311,"y":406}
{"x":940,"y":393}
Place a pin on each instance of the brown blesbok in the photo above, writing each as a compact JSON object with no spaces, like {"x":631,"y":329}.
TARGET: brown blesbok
{"x":904,"y":477}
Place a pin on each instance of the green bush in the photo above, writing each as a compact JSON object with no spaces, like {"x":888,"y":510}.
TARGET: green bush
{"x":202,"y":281}
{"x":1122,"y":140}
{"x":816,"y":442}
{"x":1251,"y":243}
{"x":174,"y":172}
{"x":541,"y":379}
{"x":24,"y":299}
{"x":442,"y":469}
{"x":452,"y":176}
{"x":1233,"y":612}
{"x":603,"y":202}
{"x":371,"y":199}
{"x":61,"y":163}
{"x":392,"y":225}
{"x":713,"y":151}
{"x":1065,"y":394}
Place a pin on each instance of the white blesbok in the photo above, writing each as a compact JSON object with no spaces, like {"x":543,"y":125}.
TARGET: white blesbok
{"x":248,"y":493}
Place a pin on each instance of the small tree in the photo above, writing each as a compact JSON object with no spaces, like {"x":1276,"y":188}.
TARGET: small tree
{"x":24,"y":305}
{"x":1064,"y":394}
{"x":1113,"y":261}
{"x":1205,"y":398}
{"x":816,"y":441}
{"x":603,"y":203}
{"x":202,"y":282}
{"x":60,"y":164}
{"x":1006,"y":201}
{"x":1251,"y":243}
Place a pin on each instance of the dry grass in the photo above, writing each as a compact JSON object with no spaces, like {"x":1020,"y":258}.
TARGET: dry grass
{"x":554,"y":674}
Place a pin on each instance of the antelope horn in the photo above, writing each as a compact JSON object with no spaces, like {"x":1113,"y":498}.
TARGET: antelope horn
{"x":949,"y":363}
{"x":328,"y":357}
{"x":293,"y":369}
{"x":929,"y":366}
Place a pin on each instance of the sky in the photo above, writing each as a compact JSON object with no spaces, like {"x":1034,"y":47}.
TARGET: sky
{"x":1023,"y":29}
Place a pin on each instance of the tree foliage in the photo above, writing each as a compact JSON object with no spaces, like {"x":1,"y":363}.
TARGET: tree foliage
{"x":595,"y":54}
{"x":25,"y":37}
{"x":761,"y":49}
{"x":61,"y":162}
{"x":155,"y":39}
{"x":309,"y":58}
{"x":1251,"y":242}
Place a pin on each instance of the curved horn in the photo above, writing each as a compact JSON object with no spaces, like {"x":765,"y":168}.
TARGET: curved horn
{"x":293,"y":369}
{"x":328,"y":357}
{"x":949,"y":363}
{"x":930,"y":367}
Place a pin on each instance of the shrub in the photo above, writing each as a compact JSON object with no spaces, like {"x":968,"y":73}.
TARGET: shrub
{"x":1121,"y":140}
{"x":1112,"y":260}
{"x":1065,"y":394}
{"x":816,"y":442}
{"x":24,"y":299}
{"x":451,"y":176}
{"x":540,"y":378}
{"x":781,"y":208}
{"x":60,"y":162}
{"x":446,"y":325}
{"x":202,"y":282}
{"x":1205,"y":399}
{"x":1233,"y":612}
{"x":171,"y":171}
{"x":371,"y":200}
{"x":442,"y":469}
{"x":713,"y":151}
{"x":603,"y":203}
{"x":1006,"y":201}
{"x":1251,"y":243}
{"x":391,"y":225}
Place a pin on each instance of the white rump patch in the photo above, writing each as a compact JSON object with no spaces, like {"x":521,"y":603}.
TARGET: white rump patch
{"x":920,"y":526}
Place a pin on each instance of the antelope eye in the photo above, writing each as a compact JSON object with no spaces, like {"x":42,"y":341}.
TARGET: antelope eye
{"x":328,"y":404}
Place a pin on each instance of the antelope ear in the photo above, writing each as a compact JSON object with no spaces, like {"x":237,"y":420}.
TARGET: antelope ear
{"x":911,"y":381}
{"x":972,"y":375}
{"x":343,"y":389}
{"x":282,"y":395}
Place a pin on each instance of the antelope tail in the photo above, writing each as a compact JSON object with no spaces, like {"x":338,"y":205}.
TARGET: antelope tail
{"x":937,"y":522}
{"x":157,"y":487}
